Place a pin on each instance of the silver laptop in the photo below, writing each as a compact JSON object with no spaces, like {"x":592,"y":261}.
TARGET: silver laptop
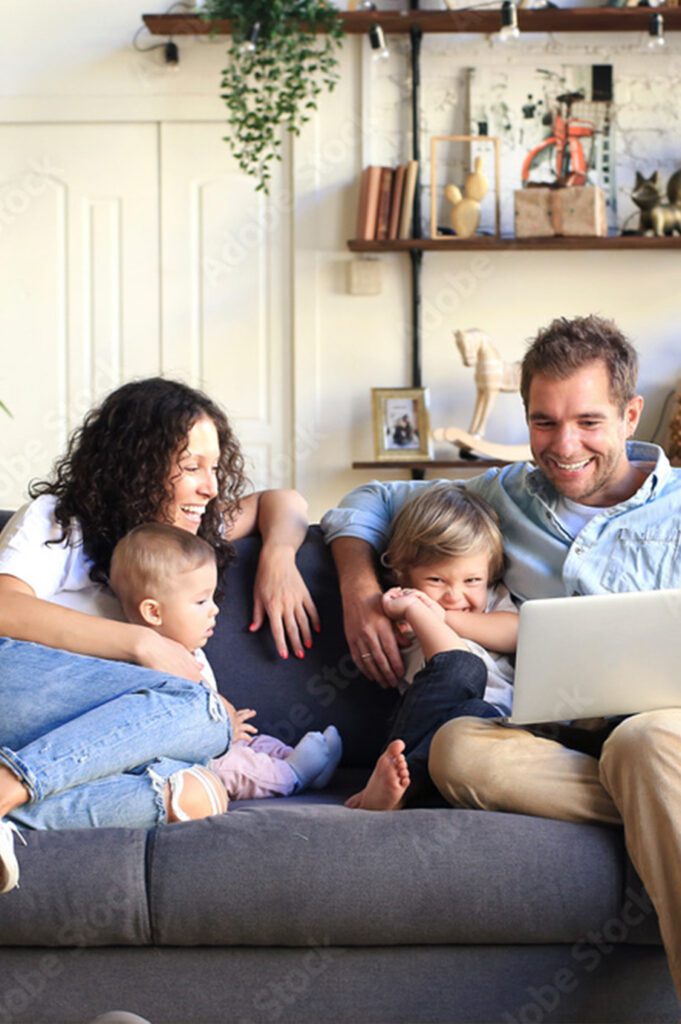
{"x":611,"y":654}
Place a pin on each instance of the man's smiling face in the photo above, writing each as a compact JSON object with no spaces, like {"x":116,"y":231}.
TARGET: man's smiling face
{"x":578,"y":435}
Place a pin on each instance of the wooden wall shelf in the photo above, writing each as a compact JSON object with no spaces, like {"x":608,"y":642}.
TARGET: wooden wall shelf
{"x":480,"y":464}
{"x":483,"y":243}
{"x":575,"y":19}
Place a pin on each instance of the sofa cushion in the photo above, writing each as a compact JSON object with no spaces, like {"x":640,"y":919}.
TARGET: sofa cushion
{"x":79,"y":888}
{"x":292,"y":696}
{"x":291,"y":873}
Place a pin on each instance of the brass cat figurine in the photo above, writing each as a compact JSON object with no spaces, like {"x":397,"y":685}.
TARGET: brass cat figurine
{"x":657,"y":216}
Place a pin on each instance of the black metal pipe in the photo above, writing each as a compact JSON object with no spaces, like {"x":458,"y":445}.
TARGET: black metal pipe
{"x":416,"y":255}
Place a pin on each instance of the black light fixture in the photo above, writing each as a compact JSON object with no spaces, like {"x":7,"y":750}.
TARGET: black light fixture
{"x":656,"y":37}
{"x":251,"y":41}
{"x":171,"y":55}
{"x":509,"y":22}
{"x":379,"y":46}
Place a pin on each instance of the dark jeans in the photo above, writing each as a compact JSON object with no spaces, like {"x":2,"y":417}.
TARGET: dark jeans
{"x":451,"y":685}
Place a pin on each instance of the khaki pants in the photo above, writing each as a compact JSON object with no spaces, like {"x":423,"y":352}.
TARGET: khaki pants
{"x":637,"y":782}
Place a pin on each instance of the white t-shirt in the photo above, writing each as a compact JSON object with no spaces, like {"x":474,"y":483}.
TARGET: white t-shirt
{"x":57,"y":572}
{"x":500,"y":670}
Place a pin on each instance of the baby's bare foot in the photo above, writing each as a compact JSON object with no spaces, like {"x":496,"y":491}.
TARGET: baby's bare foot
{"x":389,"y":781}
{"x":356,"y":800}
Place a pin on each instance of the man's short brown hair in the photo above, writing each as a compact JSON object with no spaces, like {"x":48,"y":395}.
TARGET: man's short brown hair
{"x":566,"y":346}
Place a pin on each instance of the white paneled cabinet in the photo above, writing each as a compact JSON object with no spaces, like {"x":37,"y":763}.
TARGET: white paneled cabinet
{"x":129,"y":250}
{"x":79,"y":283}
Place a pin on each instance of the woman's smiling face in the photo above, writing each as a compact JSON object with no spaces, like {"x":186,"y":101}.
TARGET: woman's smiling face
{"x":193,"y":479}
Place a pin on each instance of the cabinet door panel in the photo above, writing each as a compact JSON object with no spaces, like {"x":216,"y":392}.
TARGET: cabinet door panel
{"x":79,"y":284}
{"x":225,"y":300}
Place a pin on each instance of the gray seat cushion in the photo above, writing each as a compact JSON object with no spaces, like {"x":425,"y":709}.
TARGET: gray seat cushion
{"x":290,"y":872}
{"x":79,"y":888}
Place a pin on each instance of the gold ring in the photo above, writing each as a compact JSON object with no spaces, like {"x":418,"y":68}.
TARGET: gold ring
{"x":365,"y":656}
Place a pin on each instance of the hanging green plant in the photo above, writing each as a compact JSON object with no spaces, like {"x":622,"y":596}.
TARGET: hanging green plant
{"x":282,"y":55}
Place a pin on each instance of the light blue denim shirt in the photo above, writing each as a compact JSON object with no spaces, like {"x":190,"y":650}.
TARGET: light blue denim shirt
{"x":635,"y":545}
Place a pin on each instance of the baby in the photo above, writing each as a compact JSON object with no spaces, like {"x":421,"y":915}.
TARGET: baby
{"x":446,"y":553}
{"x":165,"y":578}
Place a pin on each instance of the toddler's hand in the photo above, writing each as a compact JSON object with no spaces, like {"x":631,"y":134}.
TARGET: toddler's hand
{"x":435,"y":608}
{"x":241,"y":729}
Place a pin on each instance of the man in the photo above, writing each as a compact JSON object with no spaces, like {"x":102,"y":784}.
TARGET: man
{"x":596,"y":513}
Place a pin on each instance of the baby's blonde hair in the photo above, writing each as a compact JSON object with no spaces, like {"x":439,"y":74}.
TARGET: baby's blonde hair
{"x":145,"y":562}
{"x":443,"y":521}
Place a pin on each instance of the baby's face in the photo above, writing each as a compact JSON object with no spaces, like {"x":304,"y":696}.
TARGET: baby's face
{"x":188,"y":610}
{"x":457,"y":584}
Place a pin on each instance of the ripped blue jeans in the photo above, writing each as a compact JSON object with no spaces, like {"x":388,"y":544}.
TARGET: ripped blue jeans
{"x":94,"y":741}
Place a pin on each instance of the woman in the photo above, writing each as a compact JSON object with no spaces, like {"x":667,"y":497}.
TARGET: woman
{"x":85,"y":741}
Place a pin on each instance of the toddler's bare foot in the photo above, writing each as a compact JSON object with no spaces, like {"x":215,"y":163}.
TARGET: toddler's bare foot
{"x":356,"y":800}
{"x":388,"y":783}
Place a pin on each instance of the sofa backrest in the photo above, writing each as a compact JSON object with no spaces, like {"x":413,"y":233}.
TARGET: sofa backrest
{"x":292,"y":696}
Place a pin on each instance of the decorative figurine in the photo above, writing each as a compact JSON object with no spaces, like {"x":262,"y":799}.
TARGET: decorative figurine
{"x":465,"y":214}
{"x":657,"y":217}
{"x":674,"y":435}
{"x":492,"y":375}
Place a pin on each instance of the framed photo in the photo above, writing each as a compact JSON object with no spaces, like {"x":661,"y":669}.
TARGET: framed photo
{"x":401,"y":424}
{"x":486,"y":148}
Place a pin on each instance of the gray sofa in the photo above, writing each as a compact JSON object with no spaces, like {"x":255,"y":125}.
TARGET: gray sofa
{"x":298,"y":910}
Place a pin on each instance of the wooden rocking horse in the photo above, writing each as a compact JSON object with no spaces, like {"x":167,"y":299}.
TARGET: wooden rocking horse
{"x":492,"y":375}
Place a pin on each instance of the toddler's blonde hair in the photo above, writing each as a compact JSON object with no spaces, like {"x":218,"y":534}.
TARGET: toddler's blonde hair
{"x":443,"y":521}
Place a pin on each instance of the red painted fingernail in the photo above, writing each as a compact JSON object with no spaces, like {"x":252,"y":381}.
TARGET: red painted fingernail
{"x":318,"y":629}
{"x":300,"y":654}
{"x":252,"y":627}
{"x":308,"y":644}
{"x":283,"y":654}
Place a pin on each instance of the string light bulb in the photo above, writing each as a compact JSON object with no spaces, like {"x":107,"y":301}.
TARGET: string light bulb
{"x":251,"y":41}
{"x":378,"y":43}
{"x":509,"y":23}
{"x":656,"y":37}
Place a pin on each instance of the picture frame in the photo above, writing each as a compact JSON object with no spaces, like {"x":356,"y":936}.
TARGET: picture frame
{"x":477,"y":145}
{"x":401,"y":421}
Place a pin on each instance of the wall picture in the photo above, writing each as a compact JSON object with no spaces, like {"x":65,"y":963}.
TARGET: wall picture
{"x":525,"y":108}
{"x":401,"y":424}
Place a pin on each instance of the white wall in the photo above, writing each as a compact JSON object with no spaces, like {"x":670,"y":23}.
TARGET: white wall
{"x":131,"y":244}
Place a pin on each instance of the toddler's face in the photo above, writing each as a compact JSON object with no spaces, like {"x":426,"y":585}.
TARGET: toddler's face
{"x":188,"y":610}
{"x":457,"y":584}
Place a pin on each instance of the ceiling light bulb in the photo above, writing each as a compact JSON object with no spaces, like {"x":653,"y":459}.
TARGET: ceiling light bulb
{"x":251,"y":41}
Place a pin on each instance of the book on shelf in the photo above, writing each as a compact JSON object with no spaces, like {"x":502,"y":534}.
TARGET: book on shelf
{"x":386,"y":199}
{"x":408,"y":199}
{"x":396,"y":202}
{"x":370,"y":189}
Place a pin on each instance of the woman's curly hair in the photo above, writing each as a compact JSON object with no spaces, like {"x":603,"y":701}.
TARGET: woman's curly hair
{"x":116,"y":470}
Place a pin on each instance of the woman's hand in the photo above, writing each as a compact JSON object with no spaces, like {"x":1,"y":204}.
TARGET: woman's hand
{"x":280,"y":595}
{"x":241,"y":730}
{"x":151,"y":650}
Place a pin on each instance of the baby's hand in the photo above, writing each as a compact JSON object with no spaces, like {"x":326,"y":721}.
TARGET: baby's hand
{"x":241,"y":729}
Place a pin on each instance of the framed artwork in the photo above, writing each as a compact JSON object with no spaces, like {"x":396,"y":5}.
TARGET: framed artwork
{"x":522,"y":106}
{"x":401,"y":424}
{"x":445,"y":162}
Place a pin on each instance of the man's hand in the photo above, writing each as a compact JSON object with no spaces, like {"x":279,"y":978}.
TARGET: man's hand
{"x":372,"y":640}
{"x":241,"y":730}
